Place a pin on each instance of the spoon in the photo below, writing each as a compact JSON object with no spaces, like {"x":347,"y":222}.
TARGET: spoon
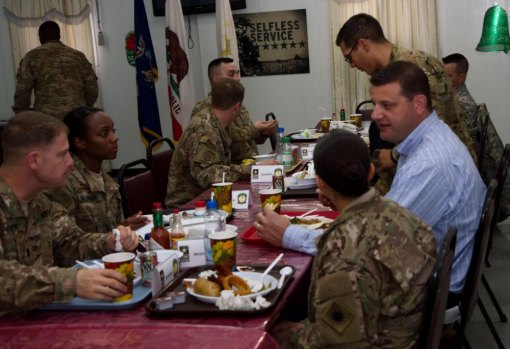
{"x":284,"y":272}
{"x":271,"y":266}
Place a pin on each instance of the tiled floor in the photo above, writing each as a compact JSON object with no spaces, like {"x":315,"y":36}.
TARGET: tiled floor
{"x":498,"y":276}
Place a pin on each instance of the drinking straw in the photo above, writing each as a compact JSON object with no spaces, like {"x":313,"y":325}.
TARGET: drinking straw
{"x":223,"y":180}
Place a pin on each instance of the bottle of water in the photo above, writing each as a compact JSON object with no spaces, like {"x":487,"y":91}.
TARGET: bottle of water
{"x":214,"y":221}
{"x":279,"y":144}
{"x":286,"y":153}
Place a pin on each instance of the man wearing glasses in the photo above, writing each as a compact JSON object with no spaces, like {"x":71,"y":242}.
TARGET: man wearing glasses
{"x":364,"y":47}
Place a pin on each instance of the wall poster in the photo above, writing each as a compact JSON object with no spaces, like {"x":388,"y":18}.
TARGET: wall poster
{"x":272,"y":43}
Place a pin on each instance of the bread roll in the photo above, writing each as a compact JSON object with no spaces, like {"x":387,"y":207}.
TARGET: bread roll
{"x":207,"y":288}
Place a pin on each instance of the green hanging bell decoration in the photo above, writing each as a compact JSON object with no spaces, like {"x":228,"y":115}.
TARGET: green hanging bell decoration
{"x":495,"y":31}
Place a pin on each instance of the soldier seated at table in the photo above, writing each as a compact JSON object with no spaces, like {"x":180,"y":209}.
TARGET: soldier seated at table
{"x":39,"y":241}
{"x":203,"y":154}
{"x":369,"y":278}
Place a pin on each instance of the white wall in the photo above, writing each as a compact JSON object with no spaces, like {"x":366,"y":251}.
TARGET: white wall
{"x":293,"y":98}
{"x":459,"y":29}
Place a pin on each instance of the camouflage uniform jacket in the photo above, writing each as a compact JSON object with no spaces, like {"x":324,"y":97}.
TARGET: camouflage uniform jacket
{"x":467,"y":103}
{"x":201,"y":157}
{"x":62,"y":79}
{"x":369,"y":279}
{"x":36,"y":251}
{"x":94,"y":208}
{"x":243,"y":133}
{"x":444,"y":99}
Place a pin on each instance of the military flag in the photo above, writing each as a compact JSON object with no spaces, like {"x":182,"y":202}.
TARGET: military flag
{"x":226,"y":31}
{"x":146,"y":76}
{"x":180,"y":83}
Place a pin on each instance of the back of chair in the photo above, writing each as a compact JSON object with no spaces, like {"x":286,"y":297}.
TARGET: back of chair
{"x":474,"y":274}
{"x":501,"y":175}
{"x":159,"y":163}
{"x":366,"y":113}
{"x":437,"y":295}
{"x":483,"y":124}
{"x":272,"y":138}
{"x":138,"y":192}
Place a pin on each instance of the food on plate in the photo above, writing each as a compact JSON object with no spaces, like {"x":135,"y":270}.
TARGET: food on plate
{"x":302,"y":175}
{"x":249,"y":162}
{"x":206,"y":287}
{"x":304,"y":221}
{"x":312,"y":223}
{"x":237,"y":284}
{"x":210,"y":283}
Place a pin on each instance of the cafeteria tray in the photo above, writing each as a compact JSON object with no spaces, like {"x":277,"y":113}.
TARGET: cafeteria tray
{"x":195,"y":307}
{"x":250,"y":234}
{"x":139,"y":294}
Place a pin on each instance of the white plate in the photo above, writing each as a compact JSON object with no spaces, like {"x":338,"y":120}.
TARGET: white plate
{"x":301,"y":136}
{"x":291,"y":183}
{"x":321,"y":219}
{"x":263,"y":157}
{"x":252,"y":278}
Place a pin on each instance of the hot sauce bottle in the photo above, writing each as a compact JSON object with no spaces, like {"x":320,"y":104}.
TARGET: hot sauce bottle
{"x":160,"y":239}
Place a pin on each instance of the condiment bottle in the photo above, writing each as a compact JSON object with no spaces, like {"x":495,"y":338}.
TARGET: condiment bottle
{"x":199,"y":208}
{"x":177,"y":231}
{"x":342,"y":114}
{"x":160,"y":239}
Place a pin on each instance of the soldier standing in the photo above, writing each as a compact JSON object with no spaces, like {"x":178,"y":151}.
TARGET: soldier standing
{"x":62,"y":78}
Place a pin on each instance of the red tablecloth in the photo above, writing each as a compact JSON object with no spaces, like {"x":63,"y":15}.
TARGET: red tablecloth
{"x":134,"y":329}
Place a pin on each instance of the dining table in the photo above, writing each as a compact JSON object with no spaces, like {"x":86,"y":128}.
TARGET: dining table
{"x":137,"y":328}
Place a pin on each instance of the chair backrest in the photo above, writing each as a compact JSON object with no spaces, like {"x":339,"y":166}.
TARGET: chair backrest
{"x":437,"y":295}
{"x":483,"y":124}
{"x":138,"y":192}
{"x":159,"y":163}
{"x":272,"y":139}
{"x":469,"y":296}
{"x":366,"y":113}
{"x":501,"y":175}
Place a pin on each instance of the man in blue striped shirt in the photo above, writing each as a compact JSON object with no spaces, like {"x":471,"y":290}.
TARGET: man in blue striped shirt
{"x":436,"y":177}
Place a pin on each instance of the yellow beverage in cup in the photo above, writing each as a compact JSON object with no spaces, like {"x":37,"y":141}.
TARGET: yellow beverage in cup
{"x":271,"y":198}
{"x":223,"y":249}
{"x":124,"y":263}
{"x":223,"y":195}
{"x":325,"y":122}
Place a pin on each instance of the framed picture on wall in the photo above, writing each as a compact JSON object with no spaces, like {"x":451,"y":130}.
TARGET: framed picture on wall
{"x":272,"y":43}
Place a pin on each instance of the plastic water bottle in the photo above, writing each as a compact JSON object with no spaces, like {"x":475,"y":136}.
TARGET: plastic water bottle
{"x":286,"y":153}
{"x":279,"y":144}
{"x":214,"y":221}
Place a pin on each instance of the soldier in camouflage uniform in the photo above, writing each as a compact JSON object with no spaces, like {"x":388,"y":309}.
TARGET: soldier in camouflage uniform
{"x":457,"y":66}
{"x":38,"y":240}
{"x":244,"y":134}
{"x":62,"y":78}
{"x":204,"y":150}
{"x":91,"y":196}
{"x":370,"y":274}
{"x":364,"y":46}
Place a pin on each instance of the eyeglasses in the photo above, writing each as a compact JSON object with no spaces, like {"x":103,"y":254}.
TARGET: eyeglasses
{"x":348,"y":58}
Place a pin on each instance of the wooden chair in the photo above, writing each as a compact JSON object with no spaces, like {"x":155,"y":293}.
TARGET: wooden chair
{"x":159,"y":163}
{"x":500,"y":179}
{"x":470,"y":296}
{"x":138,"y":192}
{"x":437,"y":295}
